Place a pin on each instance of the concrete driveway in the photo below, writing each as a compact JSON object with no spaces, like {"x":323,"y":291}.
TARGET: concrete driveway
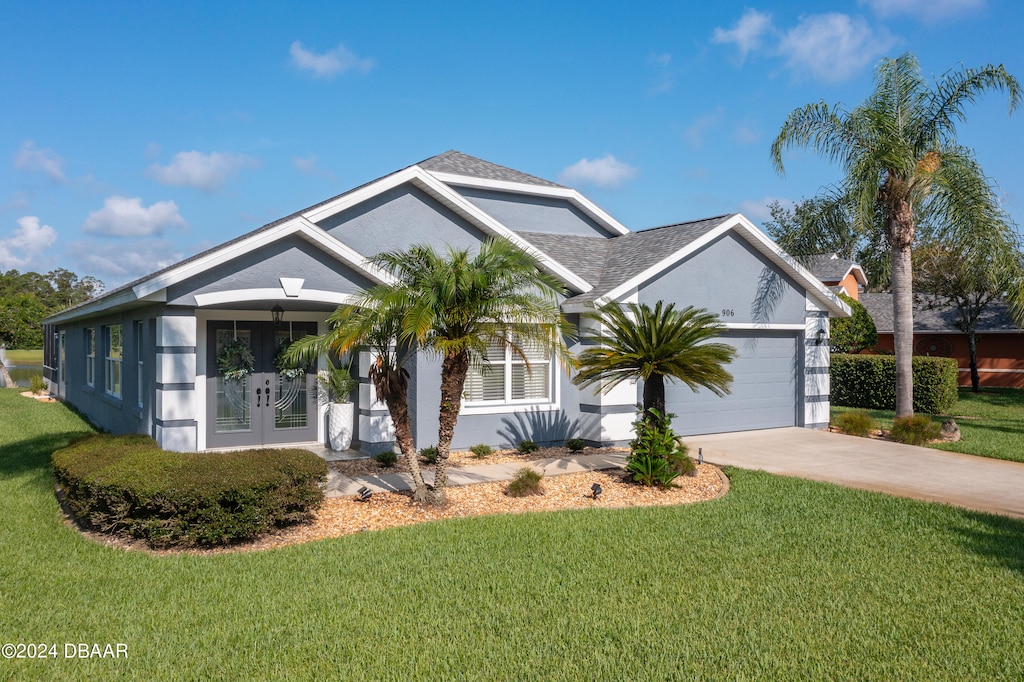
{"x":979,"y":483}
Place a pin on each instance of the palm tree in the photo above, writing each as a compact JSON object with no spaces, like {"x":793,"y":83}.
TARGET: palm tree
{"x":899,"y":153}
{"x":456,"y":306}
{"x":375,"y":323}
{"x":655,"y":344}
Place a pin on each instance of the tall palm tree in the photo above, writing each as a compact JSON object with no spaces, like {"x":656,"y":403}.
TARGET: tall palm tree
{"x":456,"y":306}
{"x":374,"y":322}
{"x":655,"y":344}
{"x":898,"y":151}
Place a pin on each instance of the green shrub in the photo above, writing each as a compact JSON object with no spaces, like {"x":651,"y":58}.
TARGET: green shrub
{"x":915,"y":429}
{"x":481,"y":451}
{"x":527,"y":446}
{"x":575,"y":445}
{"x":656,"y":456}
{"x":526,"y":482}
{"x":855,"y":333}
{"x":869,"y":381}
{"x":856,"y":423}
{"x":36,"y":383}
{"x":126,"y":485}
{"x":386,"y":458}
{"x":429,"y":454}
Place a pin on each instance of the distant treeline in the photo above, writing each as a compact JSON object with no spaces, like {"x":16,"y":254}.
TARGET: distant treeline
{"x":28,"y":297}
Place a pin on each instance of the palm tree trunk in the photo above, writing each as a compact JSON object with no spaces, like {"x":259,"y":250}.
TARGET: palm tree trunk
{"x":654,"y":396}
{"x":901,"y":237}
{"x":972,"y":345}
{"x":394,"y":391}
{"x":454,"y":368}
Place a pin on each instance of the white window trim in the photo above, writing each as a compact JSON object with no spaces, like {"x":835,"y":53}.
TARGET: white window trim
{"x":109,"y":361}
{"x":552,"y":404}
{"x":90,"y":357}
{"x":138,"y":326}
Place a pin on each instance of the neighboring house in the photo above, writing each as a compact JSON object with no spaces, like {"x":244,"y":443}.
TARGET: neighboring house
{"x":143,"y":358}
{"x":840,"y":275}
{"x":1000,"y":339}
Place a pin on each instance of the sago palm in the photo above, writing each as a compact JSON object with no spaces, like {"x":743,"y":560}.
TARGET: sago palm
{"x":640,"y":342}
{"x":898,"y":151}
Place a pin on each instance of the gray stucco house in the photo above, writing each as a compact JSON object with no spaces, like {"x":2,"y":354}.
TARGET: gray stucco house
{"x":143,"y":358}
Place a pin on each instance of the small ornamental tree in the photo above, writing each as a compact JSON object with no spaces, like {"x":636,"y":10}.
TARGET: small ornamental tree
{"x":855,"y":333}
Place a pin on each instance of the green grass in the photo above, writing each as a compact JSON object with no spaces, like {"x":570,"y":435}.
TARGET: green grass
{"x":991,"y":423}
{"x":24,"y":357}
{"x":780,"y":579}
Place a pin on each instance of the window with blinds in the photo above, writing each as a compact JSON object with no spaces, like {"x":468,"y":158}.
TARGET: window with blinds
{"x":502,"y":376}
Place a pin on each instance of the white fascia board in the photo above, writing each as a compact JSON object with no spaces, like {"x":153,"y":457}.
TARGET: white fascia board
{"x":360,"y":195}
{"x":474,"y":214}
{"x":270,"y":294}
{"x":94,"y":308}
{"x":753,"y":326}
{"x":584,"y":204}
{"x":743,"y":227}
{"x":343,"y":252}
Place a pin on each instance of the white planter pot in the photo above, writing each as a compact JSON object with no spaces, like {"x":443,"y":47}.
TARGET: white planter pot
{"x":339,"y":425}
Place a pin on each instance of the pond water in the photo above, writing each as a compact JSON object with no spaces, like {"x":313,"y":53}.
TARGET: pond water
{"x":21,"y":374}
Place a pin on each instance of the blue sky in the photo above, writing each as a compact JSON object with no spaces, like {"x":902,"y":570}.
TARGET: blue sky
{"x":136,"y":134}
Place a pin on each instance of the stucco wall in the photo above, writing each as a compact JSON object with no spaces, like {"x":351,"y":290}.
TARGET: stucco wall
{"x":534,"y":214}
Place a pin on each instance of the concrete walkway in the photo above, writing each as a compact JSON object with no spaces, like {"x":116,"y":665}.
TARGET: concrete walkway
{"x":978,"y":483}
{"x":341,"y":486}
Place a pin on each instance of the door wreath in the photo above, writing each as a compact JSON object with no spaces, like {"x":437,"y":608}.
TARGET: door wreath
{"x":235,"y":360}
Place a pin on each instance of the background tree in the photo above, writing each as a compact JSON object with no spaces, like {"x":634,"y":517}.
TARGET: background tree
{"x":26,"y":298}
{"x":456,"y":306}
{"x":640,"y":342}
{"x":969,"y":278}
{"x":898,"y":149}
{"x":855,"y":333}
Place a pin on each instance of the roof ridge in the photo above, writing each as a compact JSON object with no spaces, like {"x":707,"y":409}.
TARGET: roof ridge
{"x":685,"y":222}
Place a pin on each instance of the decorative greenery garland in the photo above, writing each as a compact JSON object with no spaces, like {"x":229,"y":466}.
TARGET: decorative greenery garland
{"x":288,"y":370}
{"x":235,"y":360}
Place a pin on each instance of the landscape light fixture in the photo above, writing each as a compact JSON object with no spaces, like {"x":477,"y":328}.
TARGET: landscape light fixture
{"x":364,"y":494}
{"x":821,"y":336}
{"x":700,"y":455}
{"x":596,"y":488}
{"x":277,"y":313}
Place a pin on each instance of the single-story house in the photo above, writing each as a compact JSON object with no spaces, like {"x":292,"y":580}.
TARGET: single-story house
{"x":143,"y":358}
{"x":1000,"y":350}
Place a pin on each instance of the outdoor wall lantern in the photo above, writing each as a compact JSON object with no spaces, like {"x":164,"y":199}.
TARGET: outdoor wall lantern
{"x":596,"y":488}
{"x":364,"y":494}
{"x":277,"y":312}
{"x":821,"y":337}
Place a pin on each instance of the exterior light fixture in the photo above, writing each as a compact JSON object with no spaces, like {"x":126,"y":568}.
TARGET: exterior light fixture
{"x":700,"y":455}
{"x":364,"y":494}
{"x":596,"y":488}
{"x":277,"y":312}
{"x":821,"y":337}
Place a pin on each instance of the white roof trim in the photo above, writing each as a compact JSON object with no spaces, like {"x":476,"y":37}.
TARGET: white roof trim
{"x":98,"y":306}
{"x":270,"y":294}
{"x":739,"y":224}
{"x":584,"y":204}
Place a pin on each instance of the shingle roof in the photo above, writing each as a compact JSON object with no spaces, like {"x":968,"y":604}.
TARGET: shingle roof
{"x":464,"y":164}
{"x":630,"y":254}
{"x":996,"y":317}
{"x":827,"y":266}
{"x":585,"y":256}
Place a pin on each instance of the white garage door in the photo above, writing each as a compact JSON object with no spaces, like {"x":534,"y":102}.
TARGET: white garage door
{"x":764,"y":389}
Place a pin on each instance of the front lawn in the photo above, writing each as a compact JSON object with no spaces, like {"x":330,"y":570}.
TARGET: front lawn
{"x":991,"y":423}
{"x":780,"y":579}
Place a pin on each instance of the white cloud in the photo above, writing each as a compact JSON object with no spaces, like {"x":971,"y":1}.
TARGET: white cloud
{"x":758,"y":209}
{"x":748,"y":32}
{"x":207,"y":172}
{"x":124,"y":217}
{"x":833,"y":47}
{"x":28,"y":241}
{"x":308,"y":166}
{"x":745,"y":135}
{"x":123,"y":261}
{"x":44,"y":160}
{"x":330,"y":63}
{"x":926,"y":10}
{"x":607,"y":172}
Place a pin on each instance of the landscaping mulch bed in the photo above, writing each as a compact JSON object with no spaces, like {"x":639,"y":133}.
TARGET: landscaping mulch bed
{"x":462,"y":458}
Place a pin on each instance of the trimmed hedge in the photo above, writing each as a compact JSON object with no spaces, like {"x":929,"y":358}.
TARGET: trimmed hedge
{"x":126,"y":485}
{"x":869,"y":381}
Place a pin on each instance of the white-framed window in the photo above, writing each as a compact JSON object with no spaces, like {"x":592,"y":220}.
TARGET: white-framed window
{"x":505,"y":378}
{"x":90,"y":356}
{"x":138,"y":363}
{"x":114,"y":350}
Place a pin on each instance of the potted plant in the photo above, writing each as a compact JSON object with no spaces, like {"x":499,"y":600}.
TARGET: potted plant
{"x":336,"y":386}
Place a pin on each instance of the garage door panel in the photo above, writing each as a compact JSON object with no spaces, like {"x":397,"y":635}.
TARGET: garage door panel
{"x":764,"y":389}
